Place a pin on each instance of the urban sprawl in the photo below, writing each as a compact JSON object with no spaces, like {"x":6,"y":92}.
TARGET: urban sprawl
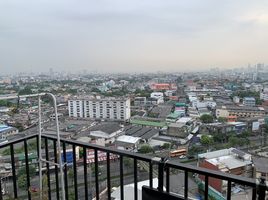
{"x":216,"y":119}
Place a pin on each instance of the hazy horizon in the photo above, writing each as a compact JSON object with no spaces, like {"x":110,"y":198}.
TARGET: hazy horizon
{"x":131,"y":36}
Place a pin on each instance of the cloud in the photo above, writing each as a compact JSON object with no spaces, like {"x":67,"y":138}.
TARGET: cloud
{"x":110,"y":35}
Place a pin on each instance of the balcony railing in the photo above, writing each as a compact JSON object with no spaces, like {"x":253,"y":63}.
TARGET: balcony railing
{"x":81,"y":185}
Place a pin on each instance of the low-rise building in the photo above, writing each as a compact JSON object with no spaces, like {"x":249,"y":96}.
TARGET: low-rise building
{"x":163,"y":86}
{"x":144,"y":133}
{"x":232,"y":161}
{"x":193,"y":112}
{"x":140,"y":101}
{"x":105,"y":133}
{"x":152,"y":101}
{"x":236,"y":99}
{"x":204,"y":104}
{"x":261,"y":168}
{"x":158,"y":95}
{"x":127,"y":142}
{"x":239,"y":111}
{"x":249,"y":101}
{"x":6,"y":131}
{"x":264,"y":94}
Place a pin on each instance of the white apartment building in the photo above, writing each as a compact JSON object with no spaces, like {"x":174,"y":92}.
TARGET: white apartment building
{"x":100,"y":108}
{"x":236,"y":99}
{"x":264,"y":94}
{"x":203,"y":104}
{"x":158,"y":95}
{"x":249,"y":101}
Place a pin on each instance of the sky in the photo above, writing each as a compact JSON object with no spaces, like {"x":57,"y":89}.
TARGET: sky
{"x":131,"y":35}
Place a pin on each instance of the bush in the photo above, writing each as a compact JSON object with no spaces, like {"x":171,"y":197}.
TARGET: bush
{"x":145,"y":149}
{"x":166,"y":146}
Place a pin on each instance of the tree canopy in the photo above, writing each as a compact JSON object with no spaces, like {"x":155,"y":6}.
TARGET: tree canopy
{"x":206,"y":140}
{"x":146,"y":149}
{"x":206,"y":118}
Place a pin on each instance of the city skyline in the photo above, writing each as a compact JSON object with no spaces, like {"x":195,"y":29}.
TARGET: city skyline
{"x":132,"y":36}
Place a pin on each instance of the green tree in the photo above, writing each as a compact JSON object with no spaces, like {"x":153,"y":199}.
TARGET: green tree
{"x":71,"y":195}
{"x":245,"y":134}
{"x":22,"y":177}
{"x":234,"y":141}
{"x":22,"y":182}
{"x":71,"y":175}
{"x":219,"y":137}
{"x":128,"y":162}
{"x":95,"y":90}
{"x":93,"y":168}
{"x":222,"y":119}
{"x":207,"y":140}
{"x":166,"y":145}
{"x":19,"y":126}
{"x":81,"y":152}
{"x":26,"y":90}
{"x":3,"y":102}
{"x":22,"y":171}
{"x":194,"y":150}
{"x":206,"y":118}
{"x":145,"y":149}
{"x":265,"y":134}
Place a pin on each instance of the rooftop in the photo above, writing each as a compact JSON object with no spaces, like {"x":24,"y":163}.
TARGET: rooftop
{"x":241,"y":108}
{"x":147,"y":123}
{"x":98,"y":98}
{"x":249,"y":98}
{"x":106,"y":127}
{"x":222,"y":152}
{"x":143,"y":132}
{"x":4,"y":128}
{"x":261,"y":164}
{"x":128,"y":139}
{"x":228,"y":161}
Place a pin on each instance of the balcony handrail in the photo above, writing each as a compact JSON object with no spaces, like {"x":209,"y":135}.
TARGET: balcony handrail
{"x":18,"y":140}
{"x":172,"y":164}
{"x":102,"y":148}
{"x":212,"y":173}
{"x":161,"y":163}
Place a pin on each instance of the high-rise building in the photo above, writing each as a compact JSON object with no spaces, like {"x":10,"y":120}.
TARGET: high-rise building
{"x":100,"y":108}
{"x":51,"y":72}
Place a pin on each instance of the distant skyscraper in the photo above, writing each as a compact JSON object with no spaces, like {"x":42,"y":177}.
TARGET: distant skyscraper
{"x":51,"y":72}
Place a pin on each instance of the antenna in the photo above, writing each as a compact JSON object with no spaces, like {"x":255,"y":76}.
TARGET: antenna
{"x":60,"y":164}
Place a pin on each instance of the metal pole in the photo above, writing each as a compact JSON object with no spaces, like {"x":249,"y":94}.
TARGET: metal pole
{"x":40,"y":148}
{"x":262,"y":189}
{"x":161,"y":165}
{"x":58,"y":145}
{"x":40,"y":136}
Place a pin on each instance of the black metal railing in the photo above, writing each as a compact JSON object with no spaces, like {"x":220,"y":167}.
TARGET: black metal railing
{"x":161,"y":166}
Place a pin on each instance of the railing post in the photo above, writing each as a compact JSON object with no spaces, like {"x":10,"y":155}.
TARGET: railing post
{"x":1,"y":197}
{"x":161,"y":166}
{"x":262,"y":189}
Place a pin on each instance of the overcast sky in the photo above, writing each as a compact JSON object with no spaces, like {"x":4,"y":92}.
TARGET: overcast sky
{"x":131,"y":35}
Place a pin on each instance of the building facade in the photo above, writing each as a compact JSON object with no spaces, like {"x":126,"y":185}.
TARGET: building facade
{"x":100,"y":108}
{"x":6,"y":131}
{"x":249,"y":101}
{"x":140,"y":101}
{"x":240,"y":112}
